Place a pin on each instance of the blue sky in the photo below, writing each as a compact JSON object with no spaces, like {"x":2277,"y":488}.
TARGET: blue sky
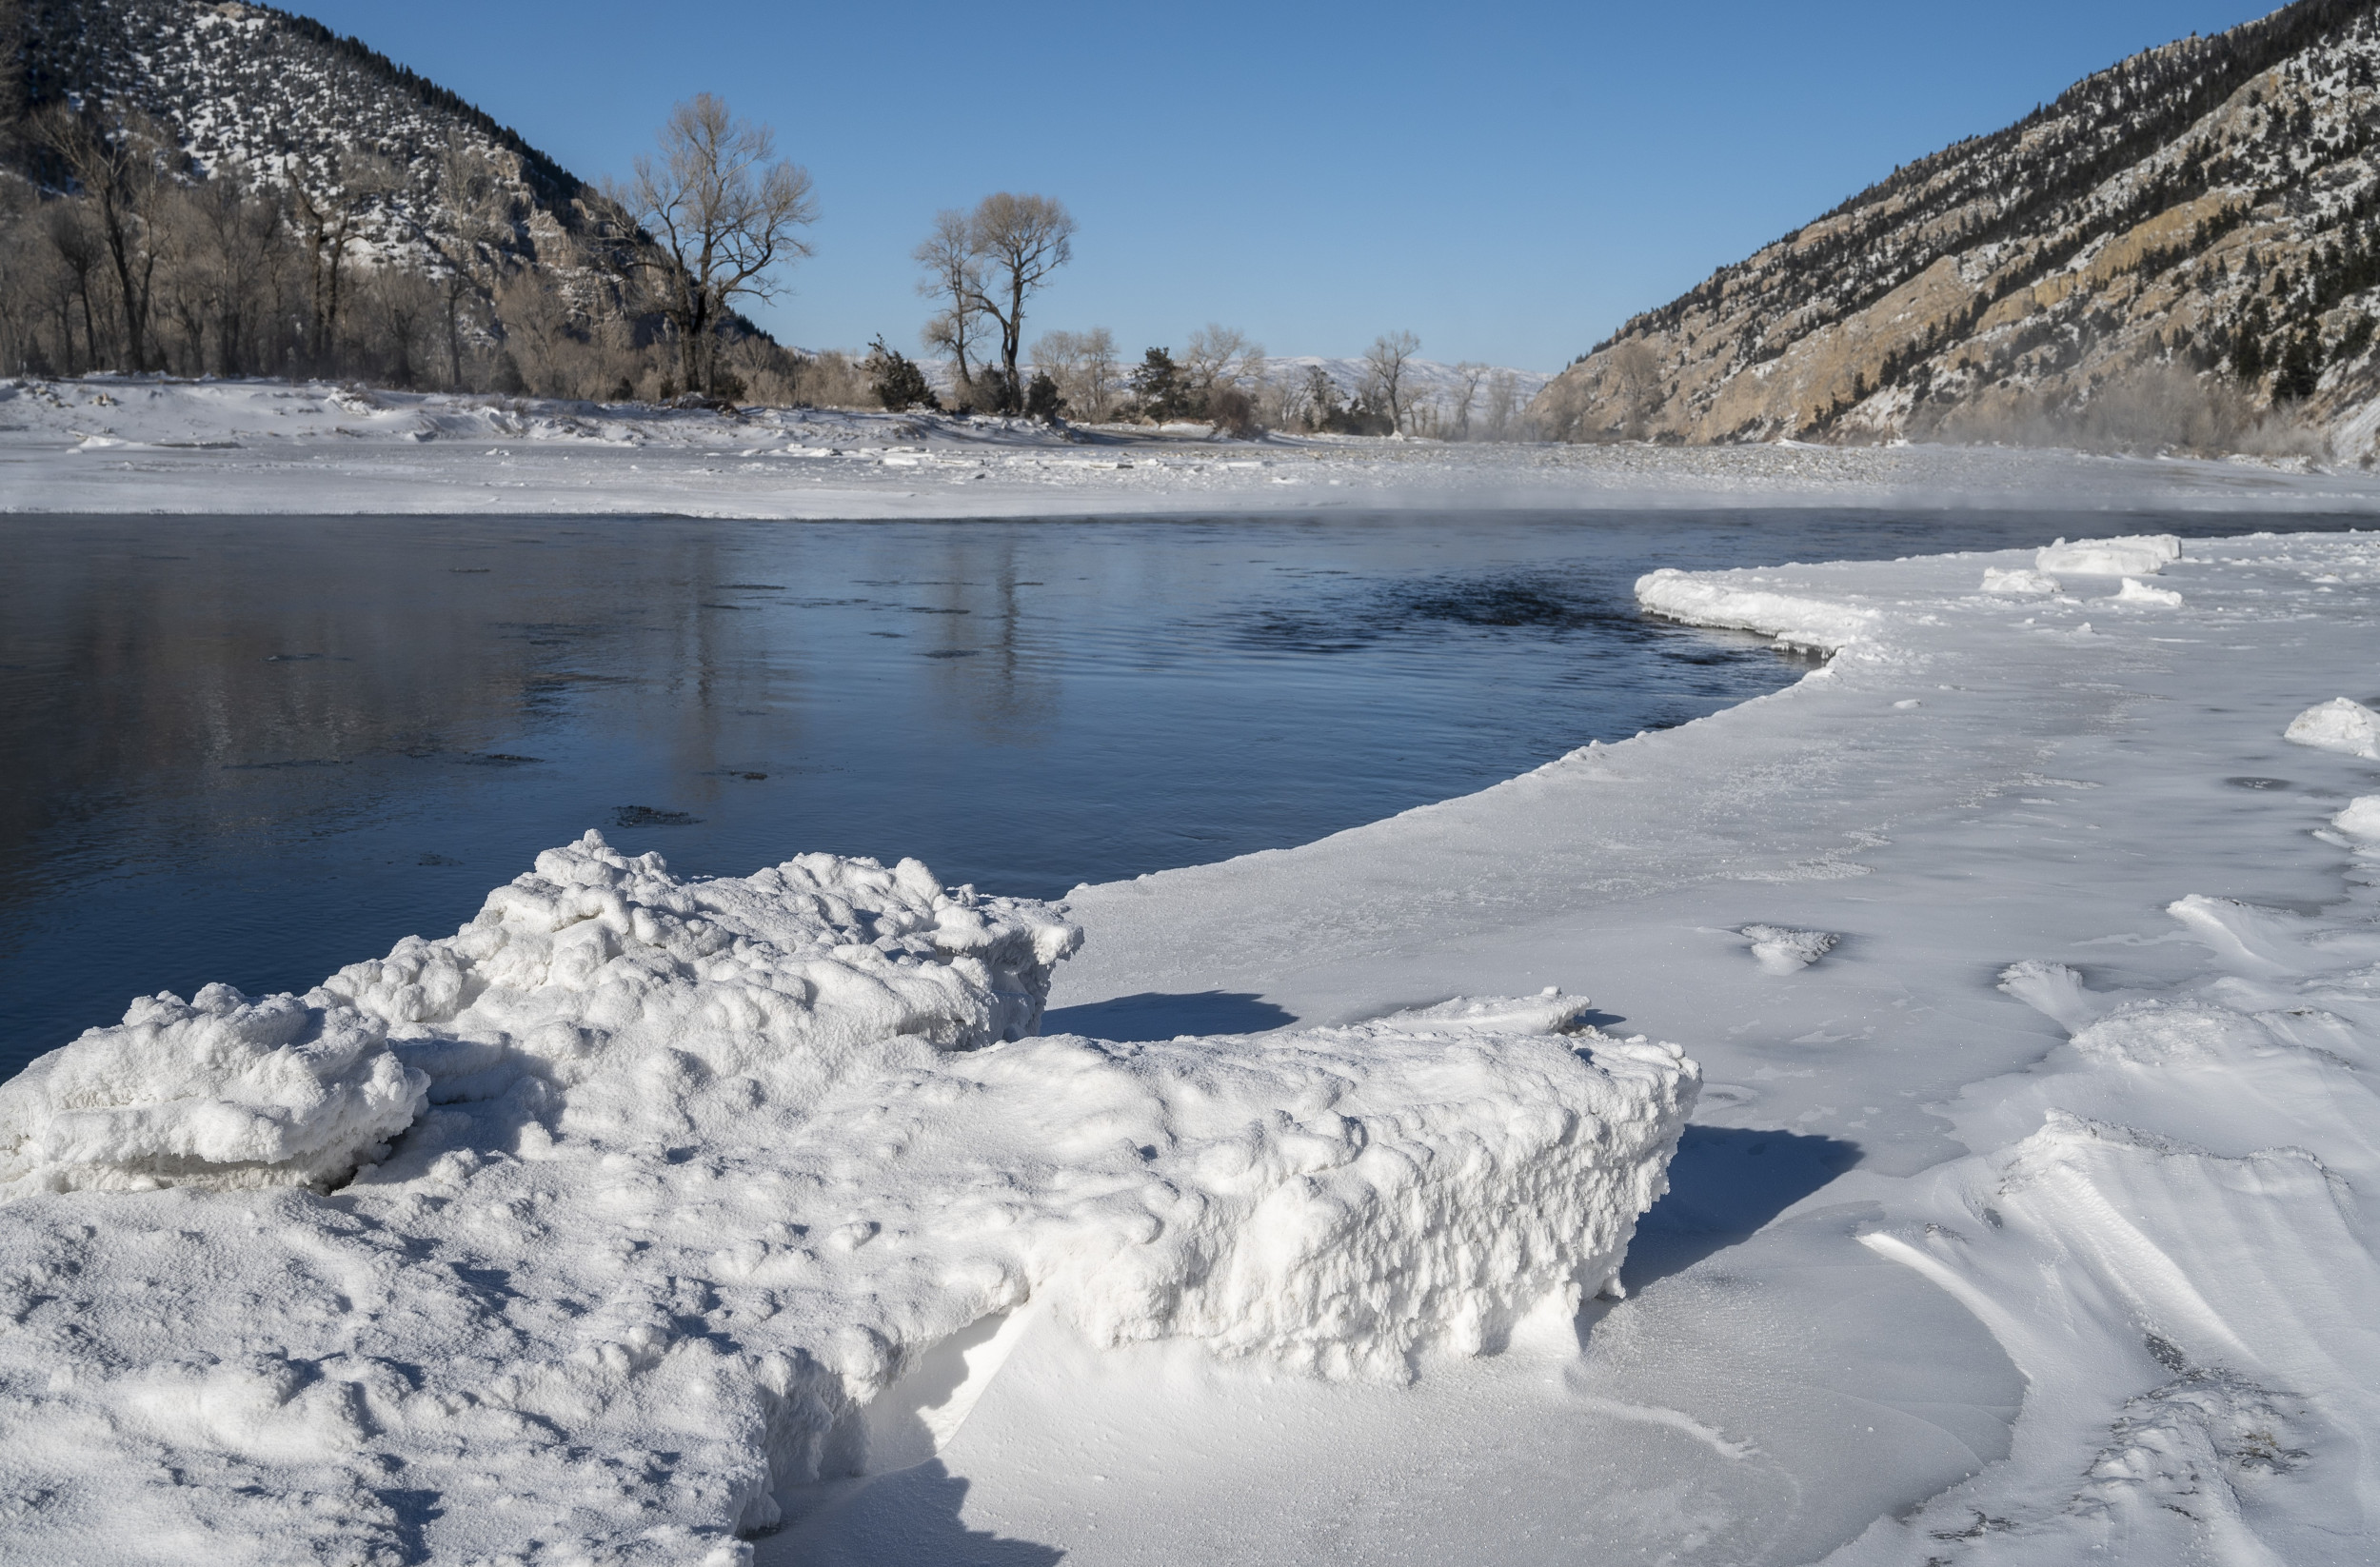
{"x":1509,"y":180}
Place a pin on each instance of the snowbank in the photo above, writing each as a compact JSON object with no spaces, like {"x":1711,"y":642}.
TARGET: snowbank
{"x":2339,"y":725}
{"x":2139,"y":554}
{"x":706,"y":1168}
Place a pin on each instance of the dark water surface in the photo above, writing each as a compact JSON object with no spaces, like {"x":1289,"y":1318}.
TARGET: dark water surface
{"x":255,"y":749}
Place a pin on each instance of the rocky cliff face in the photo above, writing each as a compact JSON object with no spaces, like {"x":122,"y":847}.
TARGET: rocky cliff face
{"x":2182,"y":251}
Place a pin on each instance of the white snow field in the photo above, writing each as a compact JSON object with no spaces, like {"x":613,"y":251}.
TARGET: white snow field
{"x":108,"y":444}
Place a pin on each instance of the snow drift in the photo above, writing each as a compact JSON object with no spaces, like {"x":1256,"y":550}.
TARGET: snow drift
{"x":695,"y":1171}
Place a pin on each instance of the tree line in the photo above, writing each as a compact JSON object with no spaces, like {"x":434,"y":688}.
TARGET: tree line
{"x":118,"y":252}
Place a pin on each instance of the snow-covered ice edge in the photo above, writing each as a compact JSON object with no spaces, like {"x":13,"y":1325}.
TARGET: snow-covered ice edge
{"x":632,"y":1165}
{"x":2166,"y":1226}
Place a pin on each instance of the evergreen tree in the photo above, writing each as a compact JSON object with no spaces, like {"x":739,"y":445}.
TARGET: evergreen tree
{"x":2300,"y":373}
{"x":1041,"y":401}
{"x":1156,"y":386}
{"x":896,"y":379}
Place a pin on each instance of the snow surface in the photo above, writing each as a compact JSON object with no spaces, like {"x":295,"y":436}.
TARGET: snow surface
{"x":109,"y":444}
{"x":2032,"y":1225}
{"x":707,"y":1167}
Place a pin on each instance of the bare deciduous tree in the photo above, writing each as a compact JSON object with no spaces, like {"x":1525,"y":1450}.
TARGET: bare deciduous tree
{"x":1384,"y":364}
{"x":114,"y":168}
{"x":1469,"y":375}
{"x":954,"y":278}
{"x":1636,"y":381}
{"x":1084,"y":367}
{"x":729,"y":213}
{"x":1019,"y":240}
{"x":1504,"y":402}
{"x":329,"y":221}
{"x":1220,"y":356}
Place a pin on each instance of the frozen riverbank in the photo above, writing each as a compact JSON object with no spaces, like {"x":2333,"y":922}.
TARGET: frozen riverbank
{"x":108,"y":444}
{"x":2085,"y":1064}
{"x":2024,"y":1213}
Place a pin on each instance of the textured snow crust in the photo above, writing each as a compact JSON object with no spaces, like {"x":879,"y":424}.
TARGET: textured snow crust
{"x":2169,"y":1233}
{"x":706,"y":1167}
{"x":2136,"y":591}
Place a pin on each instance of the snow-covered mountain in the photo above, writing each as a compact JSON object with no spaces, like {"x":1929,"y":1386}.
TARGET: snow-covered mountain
{"x":2170,"y":247}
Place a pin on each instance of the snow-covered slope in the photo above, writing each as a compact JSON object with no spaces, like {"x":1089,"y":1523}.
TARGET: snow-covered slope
{"x":2203,"y":209}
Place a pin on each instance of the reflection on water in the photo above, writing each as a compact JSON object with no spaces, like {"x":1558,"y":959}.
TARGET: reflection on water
{"x":253,"y":749}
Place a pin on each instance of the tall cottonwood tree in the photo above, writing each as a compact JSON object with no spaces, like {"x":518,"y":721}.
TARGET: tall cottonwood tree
{"x":1019,"y":241}
{"x":1384,"y":366}
{"x":727,"y":212}
{"x":954,"y":276}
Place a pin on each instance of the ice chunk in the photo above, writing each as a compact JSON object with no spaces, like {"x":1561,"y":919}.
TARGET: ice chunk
{"x":1727,"y":602}
{"x":2136,"y":591}
{"x":1782,"y":951}
{"x":2137,"y":554}
{"x":2019,"y":583}
{"x":2339,"y":725}
{"x":595,"y":959}
{"x":215,"y":1091}
{"x":2361,"y":818}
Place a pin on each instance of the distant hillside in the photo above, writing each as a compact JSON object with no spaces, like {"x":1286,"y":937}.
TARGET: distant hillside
{"x":267,"y":96}
{"x":288,"y":202}
{"x":2171,"y":249}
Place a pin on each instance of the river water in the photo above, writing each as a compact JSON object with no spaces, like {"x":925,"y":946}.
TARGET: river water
{"x":255,"y":749}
